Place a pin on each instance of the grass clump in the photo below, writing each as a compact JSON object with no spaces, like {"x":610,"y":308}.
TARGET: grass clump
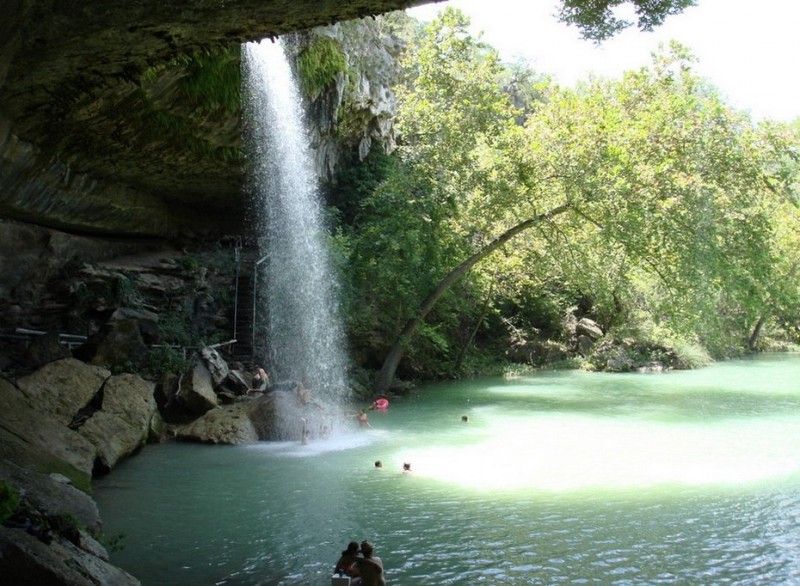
{"x":319,"y":64}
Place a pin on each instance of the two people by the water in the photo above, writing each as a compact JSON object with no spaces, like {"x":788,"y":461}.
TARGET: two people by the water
{"x":364,"y":570}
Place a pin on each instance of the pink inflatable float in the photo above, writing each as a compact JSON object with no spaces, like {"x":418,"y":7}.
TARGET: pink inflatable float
{"x":381,"y":404}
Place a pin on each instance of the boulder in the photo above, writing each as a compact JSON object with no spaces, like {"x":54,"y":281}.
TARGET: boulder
{"x":130,"y":397}
{"x":589,"y":328}
{"x":45,"y":349}
{"x":122,"y":425}
{"x":229,"y":424}
{"x":112,"y":438}
{"x":52,"y":495}
{"x":147,"y":321}
{"x":30,"y":437}
{"x":117,"y":343}
{"x":216,"y":366}
{"x":196,"y":390}
{"x":274,"y":416}
{"x":620,"y":363}
{"x":283,"y":415}
{"x":278,"y":415}
{"x":585,"y":344}
{"x":63,"y":388}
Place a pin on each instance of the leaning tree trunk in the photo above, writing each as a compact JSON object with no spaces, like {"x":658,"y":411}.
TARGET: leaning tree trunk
{"x":753,"y":340}
{"x":474,"y":332}
{"x":386,"y":376}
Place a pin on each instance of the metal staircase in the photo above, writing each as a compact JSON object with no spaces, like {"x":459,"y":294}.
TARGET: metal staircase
{"x":244,"y":308}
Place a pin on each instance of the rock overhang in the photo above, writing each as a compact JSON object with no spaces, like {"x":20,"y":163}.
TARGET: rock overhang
{"x":94,"y":136}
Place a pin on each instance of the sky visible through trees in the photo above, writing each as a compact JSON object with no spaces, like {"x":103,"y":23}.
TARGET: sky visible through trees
{"x":746,"y":48}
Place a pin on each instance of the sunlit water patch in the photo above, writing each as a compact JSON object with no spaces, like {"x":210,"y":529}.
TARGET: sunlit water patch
{"x":569,"y":452}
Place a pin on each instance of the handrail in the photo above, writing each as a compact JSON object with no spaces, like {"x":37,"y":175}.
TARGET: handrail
{"x":255,"y":298}
{"x":71,"y":340}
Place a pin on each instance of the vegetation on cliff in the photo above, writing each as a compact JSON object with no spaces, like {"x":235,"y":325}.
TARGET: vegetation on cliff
{"x":318,"y":65}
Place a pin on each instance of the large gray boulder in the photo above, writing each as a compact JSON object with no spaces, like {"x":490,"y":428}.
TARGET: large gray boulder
{"x":216,"y":366}
{"x":589,"y":328}
{"x":123,"y":423}
{"x":33,"y":438}
{"x":229,"y":424}
{"x":280,"y":415}
{"x":196,"y":390}
{"x":63,"y":388}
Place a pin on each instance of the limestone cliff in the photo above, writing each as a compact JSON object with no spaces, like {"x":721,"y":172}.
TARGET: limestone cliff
{"x":122,"y":118}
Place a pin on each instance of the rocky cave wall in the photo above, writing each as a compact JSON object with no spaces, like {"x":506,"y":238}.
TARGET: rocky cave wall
{"x":120,"y":127}
{"x":97,"y":136}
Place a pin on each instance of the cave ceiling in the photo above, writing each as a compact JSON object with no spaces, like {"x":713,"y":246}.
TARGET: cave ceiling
{"x":91,"y":108}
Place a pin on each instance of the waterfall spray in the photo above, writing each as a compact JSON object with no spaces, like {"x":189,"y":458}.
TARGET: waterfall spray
{"x":303,"y":329}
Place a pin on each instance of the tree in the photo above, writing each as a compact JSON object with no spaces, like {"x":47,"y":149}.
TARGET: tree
{"x":654,"y":167}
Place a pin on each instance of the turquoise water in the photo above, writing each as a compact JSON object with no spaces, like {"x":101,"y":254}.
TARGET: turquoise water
{"x":557,"y":478}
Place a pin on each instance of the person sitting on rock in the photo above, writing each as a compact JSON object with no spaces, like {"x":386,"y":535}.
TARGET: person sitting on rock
{"x":260,"y":381}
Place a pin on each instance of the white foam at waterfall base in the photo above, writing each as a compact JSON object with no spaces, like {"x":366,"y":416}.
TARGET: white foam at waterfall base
{"x":339,"y":441}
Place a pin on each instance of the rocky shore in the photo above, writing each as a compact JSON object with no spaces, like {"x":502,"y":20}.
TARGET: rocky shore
{"x":69,"y":421}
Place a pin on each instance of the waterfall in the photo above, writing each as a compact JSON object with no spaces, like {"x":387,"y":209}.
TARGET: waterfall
{"x":303,"y":331}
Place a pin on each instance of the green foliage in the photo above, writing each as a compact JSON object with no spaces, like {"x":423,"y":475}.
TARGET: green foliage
{"x":165,"y":359}
{"x":174,"y":328}
{"x":9,"y":500}
{"x":65,"y":525}
{"x":120,"y":290}
{"x":691,"y":354}
{"x":213,"y":80}
{"x":126,"y":292}
{"x":356,"y":182}
{"x":319,"y":64}
{"x":123,"y":367}
{"x":208,"y":86}
{"x":189,"y":263}
{"x":626,"y":355}
{"x":597,"y":21}
{"x":678,"y":229}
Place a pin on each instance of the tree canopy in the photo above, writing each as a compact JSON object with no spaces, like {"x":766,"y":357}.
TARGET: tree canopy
{"x":647,"y":200}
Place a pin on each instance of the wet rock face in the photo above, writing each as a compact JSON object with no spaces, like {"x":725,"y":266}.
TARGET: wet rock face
{"x":97,"y":131}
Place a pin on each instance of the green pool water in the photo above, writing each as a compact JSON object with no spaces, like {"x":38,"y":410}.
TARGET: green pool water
{"x":556,"y":478}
